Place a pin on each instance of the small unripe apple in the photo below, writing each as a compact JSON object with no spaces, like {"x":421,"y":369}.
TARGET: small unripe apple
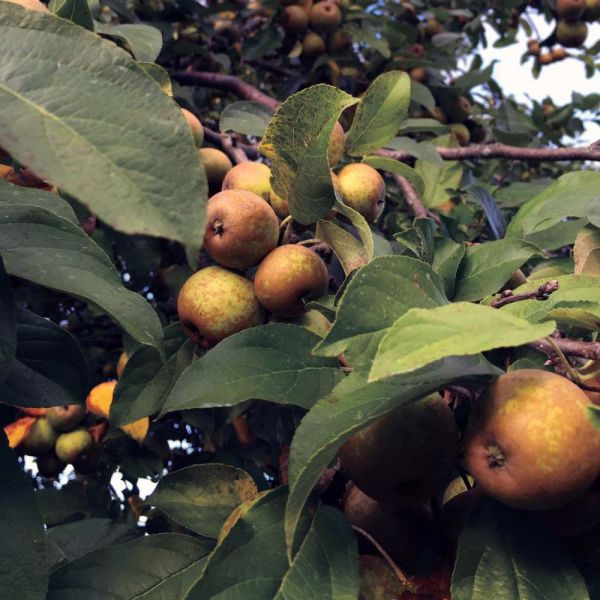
{"x":529,"y":442}
{"x":558,"y":54}
{"x":64,"y":418}
{"x":533,"y":47}
{"x":31,"y":5}
{"x":241,"y":229}
{"x":339,"y":41}
{"x":40,"y":439}
{"x":49,"y":465}
{"x":253,"y":177}
{"x":325,"y":17}
{"x":571,"y":34}
{"x":288,"y":277}
{"x":545,"y":58}
{"x":294,"y":19}
{"x":337,"y":143}
{"x":363,"y":189}
{"x":460,"y":132}
{"x":73,"y":443}
{"x":279,"y":205}
{"x":195,"y":126}
{"x":217,"y":165}
{"x":418,"y":74}
{"x":312,"y":45}
{"x":570,"y":10}
{"x":215,"y":303}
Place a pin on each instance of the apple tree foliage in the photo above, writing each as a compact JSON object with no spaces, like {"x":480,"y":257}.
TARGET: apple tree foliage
{"x":88,"y":102}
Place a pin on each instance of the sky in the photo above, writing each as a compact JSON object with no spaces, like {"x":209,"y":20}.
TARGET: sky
{"x":557,"y":80}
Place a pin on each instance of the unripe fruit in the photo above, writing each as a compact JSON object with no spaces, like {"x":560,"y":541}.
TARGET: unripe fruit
{"x":70,"y":445}
{"x":337,"y":143}
{"x":64,"y":418}
{"x":294,"y":19}
{"x":418,"y":74}
{"x":592,"y":11}
{"x":571,"y":35}
{"x":121,"y":363}
{"x":312,"y":45}
{"x":49,"y":465}
{"x":460,"y":132}
{"x":529,"y":442}
{"x":217,"y":165}
{"x":363,"y":189}
{"x":459,"y":108}
{"x":241,"y":229}
{"x":558,"y":54}
{"x":417,"y":50}
{"x":40,"y":439}
{"x":288,"y":277}
{"x":215,"y":303}
{"x":570,"y":10}
{"x":253,"y":177}
{"x":31,"y":4}
{"x":545,"y":58}
{"x":325,"y":17}
{"x":279,"y":204}
{"x":339,"y":41}
{"x":533,"y":47}
{"x":433,"y":27}
{"x":195,"y":126}
{"x":407,"y":455}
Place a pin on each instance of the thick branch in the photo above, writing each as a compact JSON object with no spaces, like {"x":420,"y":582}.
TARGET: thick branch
{"x":415,"y":204}
{"x":229,"y":83}
{"x":236,"y":151}
{"x":487,"y":151}
{"x":589,"y":350}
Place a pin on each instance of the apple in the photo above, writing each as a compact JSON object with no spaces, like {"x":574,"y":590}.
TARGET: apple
{"x":73,"y":443}
{"x":216,"y":165}
{"x":294,"y":19}
{"x":252,"y":177}
{"x":40,"y":439}
{"x":571,"y":34}
{"x":325,"y":17}
{"x":363,"y":189}
{"x":570,"y":10}
{"x":64,"y":418}
{"x":195,"y":126}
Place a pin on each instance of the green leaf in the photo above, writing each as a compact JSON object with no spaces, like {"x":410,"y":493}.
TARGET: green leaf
{"x":23,"y":572}
{"x":42,"y":247}
{"x":353,"y":404}
{"x":587,"y":251}
{"x":76,"y":11}
{"x":360,"y":224}
{"x":439,"y":178}
{"x":296,"y":141}
{"x":147,"y":380}
{"x":369,"y":35}
{"x":575,"y":194}
{"x":49,"y":368}
{"x":158,"y":75}
{"x":594,"y":415}
{"x":423,"y":126}
{"x":348,"y":249}
{"x":8,"y":327}
{"x":251,"y":561}
{"x":270,"y":362}
{"x":486,"y":267}
{"x":419,"y":239}
{"x":201,"y":497}
{"x":380,"y":113}
{"x":143,"y":41}
{"x":247,"y":118}
{"x":504,"y":553}
{"x":421,"y":94}
{"x":391,"y":165}
{"x":375,"y":297}
{"x":424,"y":335}
{"x":447,"y":256}
{"x":114,"y":141}
{"x":154,"y":567}
{"x":422,"y":150}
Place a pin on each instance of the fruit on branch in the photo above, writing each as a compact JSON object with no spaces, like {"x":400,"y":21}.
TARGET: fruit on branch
{"x":294,"y":19}
{"x":325,"y":17}
{"x":433,"y":27}
{"x":31,"y":5}
{"x":418,"y":74}
{"x":313,"y":45}
{"x":459,"y":108}
{"x":545,"y":58}
{"x":289,"y":277}
{"x":558,"y":54}
{"x":253,"y":177}
{"x":337,"y":143}
{"x":73,"y":443}
{"x":592,"y":11}
{"x":460,"y":132}
{"x":405,"y":456}
{"x":378,"y":580}
{"x":49,"y":465}
{"x":570,"y":10}
{"x":571,"y":34}
{"x":279,"y":205}
{"x":363,"y":189}
{"x":533,"y":47}
{"x":216,"y":165}
{"x":215,"y":303}
{"x":417,"y":50}
{"x":241,"y":229}
{"x":122,"y":363}
{"x":195,"y":126}
{"x":64,"y":418}
{"x":40,"y":439}
{"x":529,"y":442}
{"x":338,"y":42}
{"x":404,"y":532}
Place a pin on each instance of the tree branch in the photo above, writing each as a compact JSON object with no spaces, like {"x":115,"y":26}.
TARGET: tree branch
{"x":590,"y":350}
{"x":236,"y":151}
{"x":541,"y":293}
{"x":415,"y":204}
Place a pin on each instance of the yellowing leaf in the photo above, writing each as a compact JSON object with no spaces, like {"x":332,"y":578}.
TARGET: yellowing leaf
{"x":16,"y":432}
{"x":138,"y":429}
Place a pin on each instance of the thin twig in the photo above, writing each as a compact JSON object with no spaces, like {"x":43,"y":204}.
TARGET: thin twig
{"x":415,"y":204}
{"x":236,"y":151}
{"x":541,"y":293}
{"x":589,"y":350}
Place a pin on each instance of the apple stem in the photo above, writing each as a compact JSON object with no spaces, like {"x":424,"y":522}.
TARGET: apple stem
{"x":496,"y":457}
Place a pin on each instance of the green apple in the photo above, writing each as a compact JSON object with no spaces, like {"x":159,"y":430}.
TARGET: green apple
{"x":64,"y":418}
{"x":363,"y":189}
{"x":253,"y":177}
{"x":73,"y":443}
{"x":216,"y":165}
{"x":40,"y":439}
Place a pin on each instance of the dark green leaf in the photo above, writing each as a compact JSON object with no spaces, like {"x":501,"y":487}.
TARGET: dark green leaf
{"x":447,"y":256}
{"x":76,"y":11}
{"x":144,"y":41}
{"x":348,"y":249}
{"x":421,"y":150}
{"x":423,"y":126}
{"x":421,"y":94}
{"x":8,"y":328}
{"x":247,"y":118}
{"x":384,"y":163}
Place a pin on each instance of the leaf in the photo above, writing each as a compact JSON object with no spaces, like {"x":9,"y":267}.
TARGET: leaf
{"x":447,"y":256}
{"x":419,"y":239}
{"x":422,"y":150}
{"x":423,"y":126}
{"x":270,"y":362}
{"x":505,"y":553}
{"x":42,"y":247}
{"x":352,"y":405}
{"x":587,"y":251}
{"x":247,"y":118}
{"x":348,"y":249}
{"x":201,"y":497}
{"x":492,"y":212}
{"x":158,"y":75}
{"x":296,"y":141}
{"x":147,"y":380}
{"x":594,"y":415}
{"x":49,"y":368}
{"x":369,"y":35}
{"x":114,"y":141}
{"x":425,"y":335}
{"x":8,"y":327}
{"x":391,"y":165}
{"x":360,"y":224}
{"x":575,"y":194}
{"x":18,"y":430}
{"x":250,"y":560}
{"x":375,"y":297}
{"x":486,"y":267}
{"x":421,"y":94}
{"x":154,"y":567}
{"x":76,"y":11}
{"x":144,"y":41}
{"x":22,"y":552}
{"x":380,"y":113}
